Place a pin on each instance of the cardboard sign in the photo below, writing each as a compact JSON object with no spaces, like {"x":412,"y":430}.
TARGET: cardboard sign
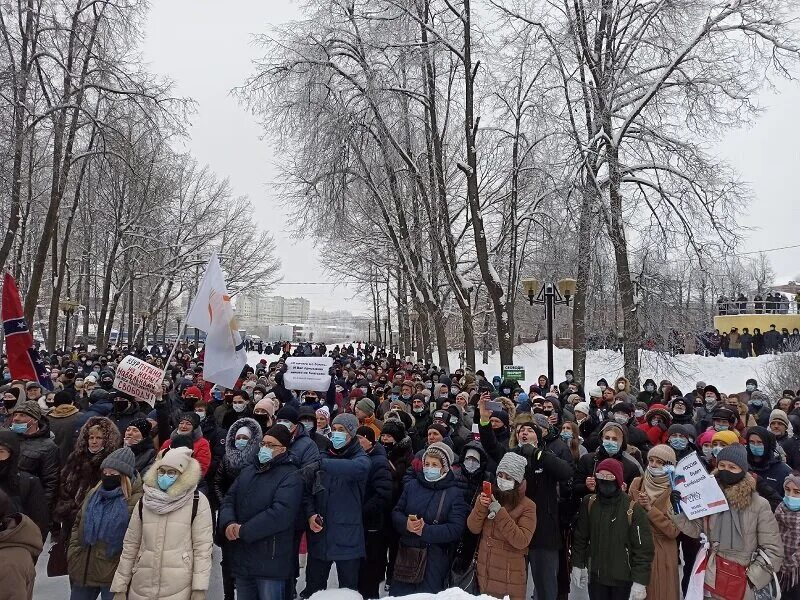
{"x":513,"y":373}
{"x":139,"y":379}
{"x":308,"y":373}
{"x":701,"y":495}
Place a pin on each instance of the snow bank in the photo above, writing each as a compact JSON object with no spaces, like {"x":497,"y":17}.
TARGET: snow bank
{"x":728,"y":374}
{"x":451,"y":594}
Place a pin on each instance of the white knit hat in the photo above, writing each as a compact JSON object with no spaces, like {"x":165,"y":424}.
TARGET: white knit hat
{"x":177,"y":458}
{"x":513,"y":464}
{"x":244,"y":430}
{"x":582,"y":407}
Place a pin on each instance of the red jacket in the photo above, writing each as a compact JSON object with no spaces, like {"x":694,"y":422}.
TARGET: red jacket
{"x":201,"y":453}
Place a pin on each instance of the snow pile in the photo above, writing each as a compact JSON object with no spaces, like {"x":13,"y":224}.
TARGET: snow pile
{"x":684,"y":370}
{"x":450,"y":594}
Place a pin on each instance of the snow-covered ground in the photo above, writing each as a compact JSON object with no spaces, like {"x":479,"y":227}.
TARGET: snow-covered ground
{"x":728,"y":374}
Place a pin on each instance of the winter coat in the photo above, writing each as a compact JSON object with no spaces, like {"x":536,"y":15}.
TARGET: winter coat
{"x":201,"y":451}
{"x":791,"y":447}
{"x":400,"y":456}
{"x":664,"y":571}
{"x":166,"y":556}
{"x":264,"y":500}
{"x":378,"y":493}
{"x":63,"y":421}
{"x":20,"y":546}
{"x":303,"y":448}
{"x":82,"y":469}
{"x":422,"y":498}
{"x":614,"y":550}
{"x":337,"y":495}
{"x":502,"y":567}
{"x":587,"y":467}
{"x":759,"y":530}
{"x":145,"y":454}
{"x":25,"y":490}
{"x":38,"y":455}
{"x":235,"y":460}
{"x":90,"y":565}
{"x":103,"y":406}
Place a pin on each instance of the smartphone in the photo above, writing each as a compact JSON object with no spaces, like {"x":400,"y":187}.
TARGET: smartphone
{"x":493,"y":405}
{"x":432,"y":406}
{"x":413,"y":517}
{"x":487,"y":488}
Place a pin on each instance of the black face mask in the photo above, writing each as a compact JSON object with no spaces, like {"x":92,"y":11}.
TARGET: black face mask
{"x":5,"y":466}
{"x":263,"y":420}
{"x":388,"y":446}
{"x":9,"y":404}
{"x":726,"y":478}
{"x":607,"y":489}
{"x":111,"y":482}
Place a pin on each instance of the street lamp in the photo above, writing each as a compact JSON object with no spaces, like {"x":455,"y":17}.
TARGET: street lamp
{"x":68,"y":308}
{"x":548,"y":295}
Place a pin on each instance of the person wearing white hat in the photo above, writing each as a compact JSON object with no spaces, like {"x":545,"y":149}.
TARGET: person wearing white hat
{"x":167,"y":548}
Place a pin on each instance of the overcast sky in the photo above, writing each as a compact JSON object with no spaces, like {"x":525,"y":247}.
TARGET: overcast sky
{"x":205,"y":47}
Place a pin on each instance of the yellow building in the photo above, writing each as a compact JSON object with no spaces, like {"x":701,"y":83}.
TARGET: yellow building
{"x":762,"y":322}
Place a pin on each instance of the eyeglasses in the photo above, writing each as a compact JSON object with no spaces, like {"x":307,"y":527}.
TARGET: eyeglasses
{"x":271,"y":446}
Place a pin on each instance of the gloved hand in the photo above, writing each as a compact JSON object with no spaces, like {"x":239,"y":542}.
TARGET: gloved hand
{"x":675,"y":499}
{"x":199,"y":594}
{"x":638,"y":592}
{"x":494,"y":507}
{"x":121,"y":596}
{"x":579,"y":578}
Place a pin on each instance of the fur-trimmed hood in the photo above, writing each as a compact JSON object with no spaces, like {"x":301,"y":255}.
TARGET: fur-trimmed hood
{"x":238,"y":459}
{"x":113,"y":438}
{"x":185,"y":482}
{"x":739,"y":495}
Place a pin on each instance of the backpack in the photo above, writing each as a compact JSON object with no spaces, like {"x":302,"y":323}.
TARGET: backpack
{"x":629,"y":512}
{"x":195,"y":500}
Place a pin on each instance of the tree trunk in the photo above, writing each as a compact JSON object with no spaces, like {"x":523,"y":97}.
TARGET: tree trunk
{"x":441,"y":337}
{"x":582,"y":279}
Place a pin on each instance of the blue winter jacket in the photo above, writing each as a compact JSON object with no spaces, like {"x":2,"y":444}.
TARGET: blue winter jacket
{"x":264,"y":500}
{"x":337,"y":495}
{"x":303,"y":448}
{"x":421,"y":497}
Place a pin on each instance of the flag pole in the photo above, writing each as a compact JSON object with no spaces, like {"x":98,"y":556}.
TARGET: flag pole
{"x":174,"y":348}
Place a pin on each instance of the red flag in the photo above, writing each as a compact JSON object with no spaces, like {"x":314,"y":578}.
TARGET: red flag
{"x":24,"y":361}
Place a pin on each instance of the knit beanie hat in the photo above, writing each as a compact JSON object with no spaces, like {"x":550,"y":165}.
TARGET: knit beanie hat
{"x":28,"y":407}
{"x":440,"y":427}
{"x":324,"y":412}
{"x":614,"y":467}
{"x":366,"y":406}
{"x":192,"y":417}
{"x":663,"y":452}
{"x":513,"y":464}
{"x":143,"y":425}
{"x":735,"y":453}
{"x":177,"y":458}
{"x":122,"y":460}
{"x":266,"y":404}
{"x":780,"y":416}
{"x":348,"y":421}
{"x":396,"y":429}
{"x":280,"y":433}
{"x":706,"y":437}
{"x":727,"y":437}
{"x":288,"y":413}
{"x":791,"y":478}
{"x":62,"y":397}
{"x":682,"y":430}
{"x":441,"y":451}
{"x":367,"y":432}
{"x":582,"y":407}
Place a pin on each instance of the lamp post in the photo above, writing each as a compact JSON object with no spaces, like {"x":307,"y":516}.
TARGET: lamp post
{"x":549,"y":295}
{"x":68,"y":308}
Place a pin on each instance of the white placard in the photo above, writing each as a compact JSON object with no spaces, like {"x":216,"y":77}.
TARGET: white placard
{"x":308,"y":373}
{"x":700,"y":493}
{"x":139,"y":379}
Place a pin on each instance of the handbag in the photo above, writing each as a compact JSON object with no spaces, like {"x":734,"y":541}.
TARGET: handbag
{"x":771,"y":591}
{"x":57,"y":561}
{"x":730,"y":580}
{"x":411,"y":561}
{"x":467,"y":579}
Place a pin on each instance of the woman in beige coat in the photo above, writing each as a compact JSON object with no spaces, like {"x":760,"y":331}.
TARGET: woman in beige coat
{"x":652,"y":493}
{"x":166,"y":554}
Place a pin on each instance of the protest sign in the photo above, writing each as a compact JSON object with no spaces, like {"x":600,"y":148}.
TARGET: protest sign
{"x":308,"y":373}
{"x":513,"y":372}
{"x":139,"y":379}
{"x":701,"y":495}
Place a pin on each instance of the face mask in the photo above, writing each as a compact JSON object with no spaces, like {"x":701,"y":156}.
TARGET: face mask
{"x":621,"y":418}
{"x":471,"y":465}
{"x":504,"y":485}
{"x":720,"y":427}
{"x":428,"y":385}
{"x":307,"y":426}
{"x":287,"y":424}
{"x":656,"y":471}
{"x":727,"y":478}
{"x":603,"y":387}
{"x":792,"y":503}
{"x":240,"y":444}
{"x":418,"y":409}
{"x":750,"y":387}
{"x":638,"y":413}
{"x":111,"y":482}
{"x":257,"y":396}
{"x":678,"y":443}
{"x":611,"y":447}
{"x":649,"y":388}
{"x":756,"y":450}
{"x":338,"y":439}
{"x":432,"y":473}
{"x":620,"y":386}
{"x":238,"y":407}
{"x":679,"y":410}
{"x":566,"y":436}
{"x":454,"y":390}
{"x":707,"y":452}
{"x":201,"y":414}
{"x":607,"y":489}
{"x":19,"y":427}
{"x":264,"y":454}
{"x":569,"y":377}
{"x":757,"y":403}
{"x":716,"y":450}
{"x":506,"y":391}
{"x":166,"y":481}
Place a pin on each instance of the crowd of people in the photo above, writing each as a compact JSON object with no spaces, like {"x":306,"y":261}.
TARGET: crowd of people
{"x":407,"y":478}
{"x":771,"y":303}
{"x":744,"y":343}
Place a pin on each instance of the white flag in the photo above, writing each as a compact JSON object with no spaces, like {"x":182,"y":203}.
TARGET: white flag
{"x":211,"y":311}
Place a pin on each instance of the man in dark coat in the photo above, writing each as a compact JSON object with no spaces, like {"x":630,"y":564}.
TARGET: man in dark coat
{"x":62,"y":420}
{"x":38,"y":452}
{"x":24,"y":489}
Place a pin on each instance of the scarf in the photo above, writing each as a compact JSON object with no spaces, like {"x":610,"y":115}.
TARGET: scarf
{"x":161,"y":503}
{"x":726,"y":529}
{"x":655,"y":486}
{"x":106,"y":520}
{"x":62,"y":411}
{"x":789,"y":524}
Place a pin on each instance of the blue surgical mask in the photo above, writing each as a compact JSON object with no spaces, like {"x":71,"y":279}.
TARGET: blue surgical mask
{"x":792,"y":503}
{"x":678,"y":443}
{"x":721,"y":428}
{"x":241,"y":444}
{"x":610,"y":447}
{"x":338,"y":439}
{"x":756,"y":450}
{"x":19,"y":427}
{"x":566,"y":436}
{"x":287,"y":424}
{"x":750,"y":387}
{"x":656,"y":471}
{"x":166,"y":481}
{"x":432,"y":473}
{"x":264,"y":454}
{"x":757,"y":403}
{"x":716,"y":450}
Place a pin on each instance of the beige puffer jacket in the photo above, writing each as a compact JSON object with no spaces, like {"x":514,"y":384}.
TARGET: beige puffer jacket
{"x":165,"y":557}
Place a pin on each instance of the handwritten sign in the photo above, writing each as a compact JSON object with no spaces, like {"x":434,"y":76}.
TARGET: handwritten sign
{"x":139,"y":379}
{"x":308,"y":373}
{"x":701,"y":495}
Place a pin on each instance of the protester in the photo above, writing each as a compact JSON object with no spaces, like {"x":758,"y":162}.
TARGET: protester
{"x":38,"y":453}
{"x":137,"y":438}
{"x":788,"y":517}
{"x":189,"y":425}
{"x":20,"y":546}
